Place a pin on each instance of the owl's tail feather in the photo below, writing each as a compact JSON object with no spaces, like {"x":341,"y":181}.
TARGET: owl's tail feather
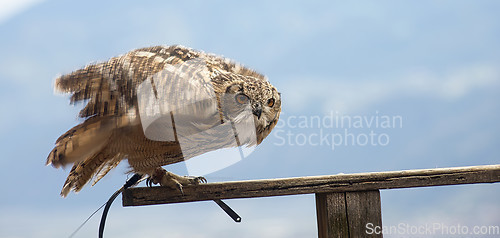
{"x":84,"y":146}
{"x":82,"y":141}
{"x":82,"y":172}
{"x":106,"y":167}
{"x":95,"y":167}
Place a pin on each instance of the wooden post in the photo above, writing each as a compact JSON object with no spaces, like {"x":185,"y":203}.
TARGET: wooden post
{"x":331,"y":215}
{"x":346,"y":214}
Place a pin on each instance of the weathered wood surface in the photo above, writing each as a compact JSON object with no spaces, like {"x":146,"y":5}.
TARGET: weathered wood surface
{"x":315,"y":184}
{"x":363,"y":208}
{"x":346,"y":214}
{"x":331,"y":214}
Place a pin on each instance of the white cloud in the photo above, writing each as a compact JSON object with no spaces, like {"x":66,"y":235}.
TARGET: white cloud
{"x":348,"y":95}
{"x":9,"y":8}
{"x":453,"y":84}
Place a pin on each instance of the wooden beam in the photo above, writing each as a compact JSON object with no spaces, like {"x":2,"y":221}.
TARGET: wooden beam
{"x":140,"y":196}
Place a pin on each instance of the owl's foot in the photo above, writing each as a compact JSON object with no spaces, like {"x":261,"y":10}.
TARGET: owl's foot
{"x":165,"y":178}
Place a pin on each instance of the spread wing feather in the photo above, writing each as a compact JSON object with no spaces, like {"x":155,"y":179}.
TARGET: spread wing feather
{"x":110,"y":87}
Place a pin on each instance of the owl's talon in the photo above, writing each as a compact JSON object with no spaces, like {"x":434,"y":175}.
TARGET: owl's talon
{"x":195,"y":180}
{"x":201,"y":179}
{"x":174,"y":181}
{"x":179,"y":186}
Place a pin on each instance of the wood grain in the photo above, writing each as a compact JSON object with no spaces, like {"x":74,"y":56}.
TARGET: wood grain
{"x":363,"y":208}
{"x":331,"y":214}
{"x":346,"y":214}
{"x":140,"y":196}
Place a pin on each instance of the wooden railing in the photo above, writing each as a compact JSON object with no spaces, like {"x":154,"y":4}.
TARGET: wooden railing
{"x":345,"y":203}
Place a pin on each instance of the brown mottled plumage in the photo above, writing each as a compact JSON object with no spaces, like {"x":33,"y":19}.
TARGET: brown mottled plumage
{"x":113,"y":130}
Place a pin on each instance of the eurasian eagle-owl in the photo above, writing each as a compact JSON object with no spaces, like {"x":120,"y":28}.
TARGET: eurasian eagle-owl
{"x":157,"y":106}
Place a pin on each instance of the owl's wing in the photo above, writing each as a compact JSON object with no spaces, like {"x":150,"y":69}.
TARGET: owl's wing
{"x":111,"y":87}
{"x":179,"y":100}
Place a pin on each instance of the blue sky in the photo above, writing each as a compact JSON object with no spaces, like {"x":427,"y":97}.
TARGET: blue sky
{"x":436,"y":64}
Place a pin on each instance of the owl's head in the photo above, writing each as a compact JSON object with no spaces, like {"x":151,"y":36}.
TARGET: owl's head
{"x":252,"y":97}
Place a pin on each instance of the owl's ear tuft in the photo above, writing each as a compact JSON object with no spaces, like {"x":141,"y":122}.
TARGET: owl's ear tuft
{"x":234,"y":88}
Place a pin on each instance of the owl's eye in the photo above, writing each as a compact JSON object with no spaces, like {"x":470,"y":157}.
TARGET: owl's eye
{"x":270,"y":102}
{"x":241,"y":98}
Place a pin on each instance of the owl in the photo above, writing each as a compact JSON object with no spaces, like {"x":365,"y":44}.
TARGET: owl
{"x":157,"y":106}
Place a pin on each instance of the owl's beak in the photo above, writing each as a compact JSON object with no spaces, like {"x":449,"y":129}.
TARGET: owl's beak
{"x":257,"y":110}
